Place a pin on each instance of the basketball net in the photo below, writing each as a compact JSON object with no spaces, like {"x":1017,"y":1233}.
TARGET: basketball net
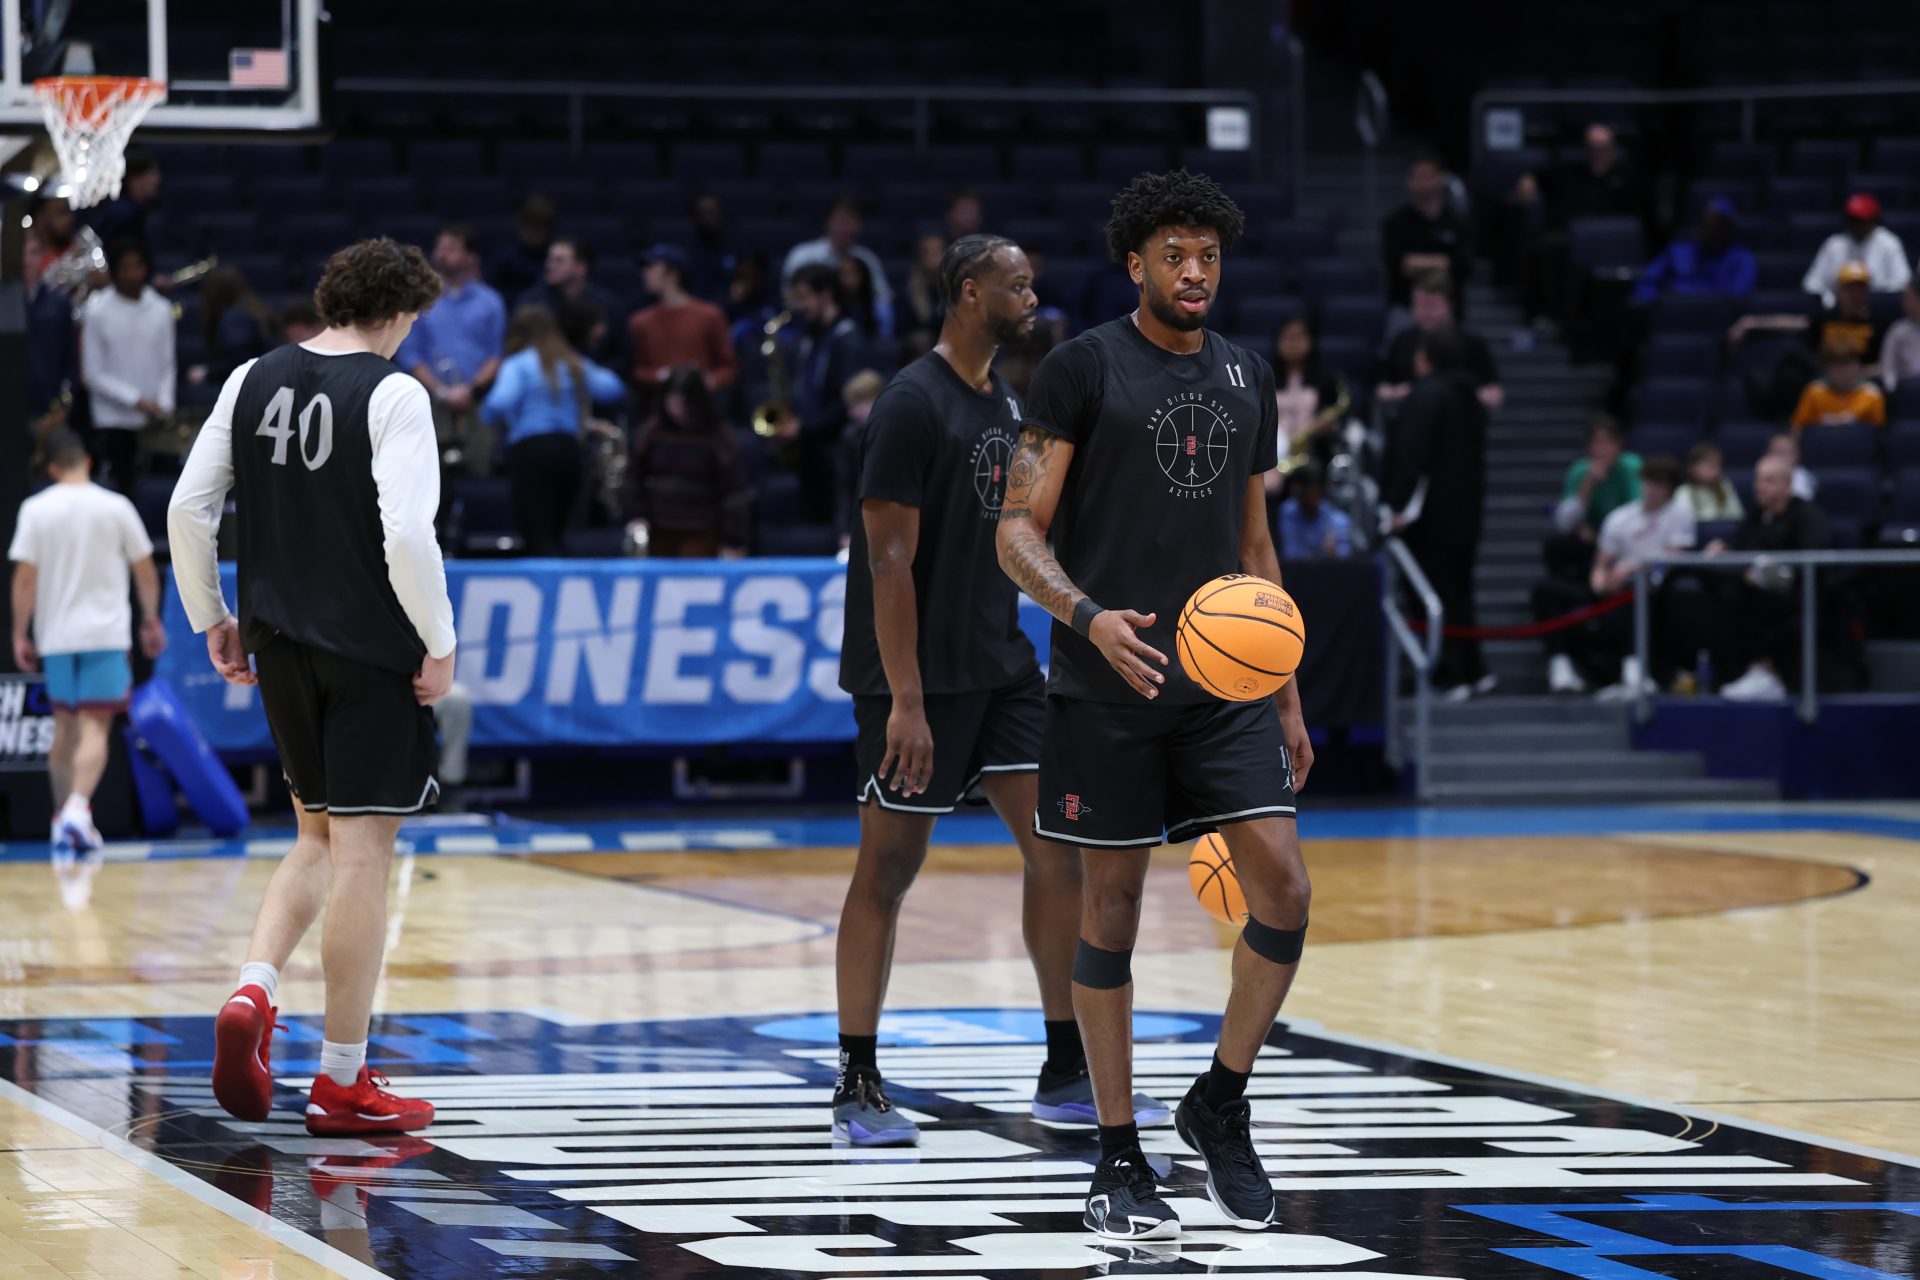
{"x":89,"y":119}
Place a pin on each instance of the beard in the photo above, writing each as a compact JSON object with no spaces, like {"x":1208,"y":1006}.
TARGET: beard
{"x":1167,"y":311}
{"x":1011,"y":331}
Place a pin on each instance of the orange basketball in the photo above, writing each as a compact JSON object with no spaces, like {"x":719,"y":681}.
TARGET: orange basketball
{"x":1240,"y":637}
{"x":1215,"y":882}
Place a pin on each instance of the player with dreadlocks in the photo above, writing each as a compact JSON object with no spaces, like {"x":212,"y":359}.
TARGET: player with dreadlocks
{"x":1138,"y":477}
{"x":947,"y":693}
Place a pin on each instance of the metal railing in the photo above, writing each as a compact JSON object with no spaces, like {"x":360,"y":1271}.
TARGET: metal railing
{"x":1373,"y":122}
{"x":1296,"y":119}
{"x":1422,"y":654}
{"x":1750,"y":97}
{"x":1810,"y":561}
{"x":920,"y":98}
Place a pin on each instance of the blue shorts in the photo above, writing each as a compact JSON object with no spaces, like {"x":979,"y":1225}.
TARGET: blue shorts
{"x":96,"y":681}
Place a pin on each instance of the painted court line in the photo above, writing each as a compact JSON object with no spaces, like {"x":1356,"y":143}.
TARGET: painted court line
{"x":281,"y":1233}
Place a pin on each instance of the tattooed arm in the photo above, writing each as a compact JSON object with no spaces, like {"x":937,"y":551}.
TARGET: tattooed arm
{"x":1034,"y":481}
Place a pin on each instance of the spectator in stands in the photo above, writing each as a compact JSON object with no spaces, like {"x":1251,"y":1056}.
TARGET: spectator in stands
{"x":687,"y":490}
{"x":1900,"y":349}
{"x":964,"y":217}
{"x":455,"y":348}
{"x":1753,"y":621}
{"x":750,"y":293}
{"x":234,"y":323}
{"x":860,"y":393}
{"x":1605,"y":479}
{"x":1841,"y":395}
{"x":542,"y":401}
{"x":53,"y":357}
{"x":1312,"y":400}
{"x":1434,"y":491}
{"x":1311,"y":528}
{"x":1864,"y":241}
{"x":1433,"y":295}
{"x":1599,"y":185}
{"x":1425,"y":234}
{"x":711,"y":261}
{"x":126,"y":358}
{"x":825,"y":356}
{"x":567,"y":284}
{"x":1785,"y":446}
{"x":1707,"y":493}
{"x":520,"y":266}
{"x":920,"y":311}
{"x":874,"y":317}
{"x":52,"y":216}
{"x":1849,"y":323}
{"x":125,"y":216}
{"x":300,"y":321}
{"x":677,"y":328}
{"x":842,"y":240}
{"x":1635,"y":533}
{"x":1711,"y":262}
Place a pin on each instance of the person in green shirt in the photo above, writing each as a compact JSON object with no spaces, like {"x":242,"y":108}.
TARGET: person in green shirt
{"x":1606,"y":478}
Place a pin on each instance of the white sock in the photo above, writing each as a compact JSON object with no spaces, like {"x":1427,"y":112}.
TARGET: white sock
{"x":263,"y":975}
{"x":78,"y":807}
{"x":342,"y":1062}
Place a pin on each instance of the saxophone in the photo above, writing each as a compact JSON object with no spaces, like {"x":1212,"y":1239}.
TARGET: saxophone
{"x":768,"y":414}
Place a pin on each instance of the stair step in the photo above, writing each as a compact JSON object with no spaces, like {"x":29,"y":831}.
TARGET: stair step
{"x":1600,"y":791}
{"x":1543,"y":709}
{"x":1528,"y":737}
{"x":1548,"y":765}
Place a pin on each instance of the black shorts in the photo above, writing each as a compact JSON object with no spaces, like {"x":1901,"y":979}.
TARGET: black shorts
{"x":974,"y":734}
{"x":352,"y":739}
{"x":1116,"y":775}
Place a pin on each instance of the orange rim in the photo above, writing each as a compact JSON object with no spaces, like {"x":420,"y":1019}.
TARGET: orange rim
{"x":86,"y":101}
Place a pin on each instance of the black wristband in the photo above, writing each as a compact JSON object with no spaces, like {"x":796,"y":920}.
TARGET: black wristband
{"x":1083,"y":615}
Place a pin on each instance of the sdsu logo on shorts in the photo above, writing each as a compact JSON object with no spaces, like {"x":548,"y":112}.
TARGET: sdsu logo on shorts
{"x":1072,"y":809}
{"x":1192,"y":442}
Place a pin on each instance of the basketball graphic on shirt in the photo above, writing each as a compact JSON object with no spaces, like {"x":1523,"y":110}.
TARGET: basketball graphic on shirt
{"x":990,"y":460}
{"x":1192,"y":443}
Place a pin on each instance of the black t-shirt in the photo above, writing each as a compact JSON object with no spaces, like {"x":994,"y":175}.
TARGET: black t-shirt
{"x":1861,"y":336}
{"x":1478,"y":365}
{"x":936,"y":444}
{"x":1406,"y":230}
{"x":1164,"y":446}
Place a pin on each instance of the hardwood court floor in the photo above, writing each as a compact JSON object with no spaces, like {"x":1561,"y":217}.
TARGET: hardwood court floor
{"x":1750,"y":972}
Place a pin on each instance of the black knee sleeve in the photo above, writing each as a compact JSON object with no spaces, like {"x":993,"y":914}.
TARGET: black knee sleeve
{"x":1102,"y":970}
{"x":1281,"y":946}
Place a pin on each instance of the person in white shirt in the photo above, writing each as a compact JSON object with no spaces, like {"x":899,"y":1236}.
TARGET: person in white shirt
{"x":73,"y":544}
{"x":1900,"y":352}
{"x":842,"y":240}
{"x":1638,"y":534}
{"x":126,"y":360}
{"x":1864,"y":241}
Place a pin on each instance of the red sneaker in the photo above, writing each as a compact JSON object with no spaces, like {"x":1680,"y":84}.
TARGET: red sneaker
{"x":366,"y":1108}
{"x":242,"y":1049}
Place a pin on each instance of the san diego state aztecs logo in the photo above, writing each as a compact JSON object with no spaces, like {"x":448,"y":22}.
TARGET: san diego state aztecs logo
{"x":1192,"y":442}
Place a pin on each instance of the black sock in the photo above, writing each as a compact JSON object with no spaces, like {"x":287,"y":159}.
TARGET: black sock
{"x":1118,"y":1139}
{"x":1064,"y":1051}
{"x":1224,"y":1085}
{"x":855,"y":1051}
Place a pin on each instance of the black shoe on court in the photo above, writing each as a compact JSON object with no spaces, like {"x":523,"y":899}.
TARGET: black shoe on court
{"x":1124,"y":1203}
{"x":1236,"y":1182}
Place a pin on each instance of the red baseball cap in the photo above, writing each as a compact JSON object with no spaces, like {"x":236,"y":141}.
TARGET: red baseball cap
{"x":1862,"y":206}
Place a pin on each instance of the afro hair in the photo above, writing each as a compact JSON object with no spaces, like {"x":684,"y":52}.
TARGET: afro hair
{"x":1176,"y":199}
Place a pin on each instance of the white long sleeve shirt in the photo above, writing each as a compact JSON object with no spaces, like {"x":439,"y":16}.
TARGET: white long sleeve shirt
{"x":126,"y":356}
{"x":406,"y":473}
{"x":1884,"y":255}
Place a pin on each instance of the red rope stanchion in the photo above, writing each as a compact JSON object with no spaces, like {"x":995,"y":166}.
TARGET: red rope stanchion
{"x":1533,"y":630}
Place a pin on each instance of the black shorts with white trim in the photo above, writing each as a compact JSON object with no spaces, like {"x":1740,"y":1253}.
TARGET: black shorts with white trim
{"x":352,"y":738}
{"x":1128,"y":775}
{"x":974,"y":734}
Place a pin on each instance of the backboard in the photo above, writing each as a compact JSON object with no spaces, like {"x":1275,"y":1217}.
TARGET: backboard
{"x":232,"y":66}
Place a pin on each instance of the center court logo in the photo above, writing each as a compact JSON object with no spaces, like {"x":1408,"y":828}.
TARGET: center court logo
{"x":698,"y":1149}
{"x":1192,"y":442}
{"x":991,"y":455}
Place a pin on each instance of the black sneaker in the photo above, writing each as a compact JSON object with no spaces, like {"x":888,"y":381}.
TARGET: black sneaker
{"x":1236,"y":1182}
{"x":1124,"y":1203}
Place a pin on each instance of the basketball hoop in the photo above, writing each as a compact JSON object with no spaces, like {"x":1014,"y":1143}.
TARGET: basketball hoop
{"x":90,"y":119}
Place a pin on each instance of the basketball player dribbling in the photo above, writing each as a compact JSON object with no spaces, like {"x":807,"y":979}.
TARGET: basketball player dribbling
{"x":329,"y":450}
{"x":948,"y":695}
{"x":1139,"y":477}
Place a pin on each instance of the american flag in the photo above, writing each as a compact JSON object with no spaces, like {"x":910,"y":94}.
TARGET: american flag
{"x":257,"y":68}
